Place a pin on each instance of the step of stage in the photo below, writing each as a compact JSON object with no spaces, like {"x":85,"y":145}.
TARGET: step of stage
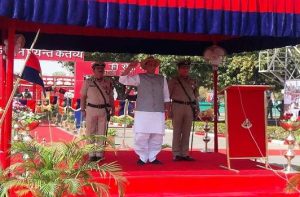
{"x":157,"y":185}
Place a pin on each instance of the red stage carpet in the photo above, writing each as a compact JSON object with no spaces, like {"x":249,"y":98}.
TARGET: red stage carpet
{"x":48,"y":132}
{"x":203,"y":177}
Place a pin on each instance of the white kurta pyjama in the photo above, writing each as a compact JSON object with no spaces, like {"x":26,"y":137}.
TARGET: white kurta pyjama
{"x":143,"y":121}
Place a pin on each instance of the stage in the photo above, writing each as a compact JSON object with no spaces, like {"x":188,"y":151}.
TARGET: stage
{"x":203,"y":177}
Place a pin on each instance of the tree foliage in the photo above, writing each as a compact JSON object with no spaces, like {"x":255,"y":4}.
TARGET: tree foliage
{"x":238,"y":69}
{"x":70,"y":66}
{"x":59,"y":73}
{"x":242,"y":69}
{"x":109,"y":57}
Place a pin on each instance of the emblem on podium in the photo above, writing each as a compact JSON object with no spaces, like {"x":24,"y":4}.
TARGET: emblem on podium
{"x":246,"y":124}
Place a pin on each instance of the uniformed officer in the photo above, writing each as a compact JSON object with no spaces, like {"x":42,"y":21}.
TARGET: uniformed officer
{"x":184,"y":95}
{"x":27,"y":94}
{"x":95,"y":105}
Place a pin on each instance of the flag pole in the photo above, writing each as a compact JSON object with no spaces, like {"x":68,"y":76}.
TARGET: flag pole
{"x":18,"y":80}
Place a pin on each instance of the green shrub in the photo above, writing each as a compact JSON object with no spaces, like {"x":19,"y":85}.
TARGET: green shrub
{"x":114,"y":119}
{"x":111,"y":132}
{"x":273,"y":132}
{"x":128,"y":120}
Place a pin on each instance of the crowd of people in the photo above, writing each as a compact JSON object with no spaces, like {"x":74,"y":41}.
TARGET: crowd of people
{"x":156,"y":97}
{"x":25,"y":95}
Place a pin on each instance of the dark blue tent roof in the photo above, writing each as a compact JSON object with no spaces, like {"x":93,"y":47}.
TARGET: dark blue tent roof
{"x":165,"y":26}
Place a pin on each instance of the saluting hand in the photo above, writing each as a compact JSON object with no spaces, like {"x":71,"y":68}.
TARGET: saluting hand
{"x":131,"y":66}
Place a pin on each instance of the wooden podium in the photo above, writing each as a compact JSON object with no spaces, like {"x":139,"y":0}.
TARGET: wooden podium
{"x":246,"y":122}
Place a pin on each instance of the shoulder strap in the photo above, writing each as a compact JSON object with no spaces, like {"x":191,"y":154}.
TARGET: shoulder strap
{"x":193,"y":106}
{"x":107,"y":111}
{"x":184,"y":89}
{"x":100,"y":92}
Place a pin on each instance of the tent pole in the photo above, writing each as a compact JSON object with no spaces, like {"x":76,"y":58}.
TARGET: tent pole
{"x":6,"y":133}
{"x":2,"y":85}
{"x":215,"y":75}
{"x":3,"y":97}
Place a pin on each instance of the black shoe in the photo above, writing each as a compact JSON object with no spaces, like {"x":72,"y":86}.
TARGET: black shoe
{"x":177,"y":158}
{"x":156,"y":161}
{"x":187,"y":158}
{"x":140,"y":162}
{"x":93,"y":159}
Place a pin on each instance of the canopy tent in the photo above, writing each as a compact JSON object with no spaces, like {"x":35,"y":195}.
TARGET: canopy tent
{"x":184,"y":27}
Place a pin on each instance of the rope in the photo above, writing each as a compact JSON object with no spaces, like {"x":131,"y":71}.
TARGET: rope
{"x":285,"y":178}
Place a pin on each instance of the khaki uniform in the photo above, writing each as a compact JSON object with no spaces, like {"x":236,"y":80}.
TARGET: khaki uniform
{"x":96,"y":117}
{"x":182,"y":115}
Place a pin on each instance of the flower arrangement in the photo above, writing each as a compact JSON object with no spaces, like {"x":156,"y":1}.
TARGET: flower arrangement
{"x":24,"y":117}
{"x":289,"y":123}
{"x":207,"y":115}
{"x":128,"y":120}
{"x":121,"y":120}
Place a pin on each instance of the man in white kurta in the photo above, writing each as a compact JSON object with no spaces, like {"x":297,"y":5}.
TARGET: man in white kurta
{"x":152,"y":101}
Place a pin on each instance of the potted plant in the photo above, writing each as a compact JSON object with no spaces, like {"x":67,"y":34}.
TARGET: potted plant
{"x":111,"y":134}
{"x":126,"y":120}
{"x":70,"y":123}
{"x":56,"y":170}
{"x":114,"y":120}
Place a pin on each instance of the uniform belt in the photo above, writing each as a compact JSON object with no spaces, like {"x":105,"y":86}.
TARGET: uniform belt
{"x":98,"y":106}
{"x":184,"y":102}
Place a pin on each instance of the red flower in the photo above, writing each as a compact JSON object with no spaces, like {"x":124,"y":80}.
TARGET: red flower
{"x":288,"y":124}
